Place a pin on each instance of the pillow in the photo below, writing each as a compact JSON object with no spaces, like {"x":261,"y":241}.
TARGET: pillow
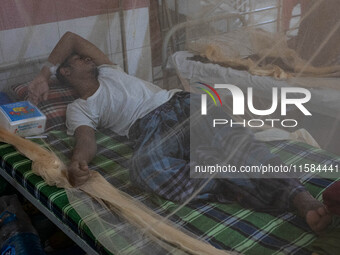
{"x":54,"y":107}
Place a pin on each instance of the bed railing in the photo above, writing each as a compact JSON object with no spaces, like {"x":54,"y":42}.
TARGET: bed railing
{"x":228,"y":17}
{"x":20,"y":71}
{"x":22,"y":63}
{"x":241,"y":15}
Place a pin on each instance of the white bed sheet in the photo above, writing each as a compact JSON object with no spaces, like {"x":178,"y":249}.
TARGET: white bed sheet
{"x":324,"y":101}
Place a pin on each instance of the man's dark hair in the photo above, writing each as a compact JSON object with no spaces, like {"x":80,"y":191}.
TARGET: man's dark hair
{"x":59,"y":76}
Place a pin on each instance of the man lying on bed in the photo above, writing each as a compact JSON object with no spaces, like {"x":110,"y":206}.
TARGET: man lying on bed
{"x":158,"y":122}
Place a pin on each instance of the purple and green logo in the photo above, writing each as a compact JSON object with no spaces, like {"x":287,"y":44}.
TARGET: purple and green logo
{"x":288,"y":96}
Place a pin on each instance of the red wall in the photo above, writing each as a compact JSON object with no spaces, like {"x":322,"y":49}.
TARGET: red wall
{"x":21,"y":13}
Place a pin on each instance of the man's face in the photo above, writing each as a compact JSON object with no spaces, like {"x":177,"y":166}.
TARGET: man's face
{"x":81,"y":64}
{"x":78,"y":68}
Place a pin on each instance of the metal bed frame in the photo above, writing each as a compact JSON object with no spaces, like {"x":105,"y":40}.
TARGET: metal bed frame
{"x":240,"y":14}
{"x":228,"y":17}
{"x":62,"y":226}
{"x":49,"y":214}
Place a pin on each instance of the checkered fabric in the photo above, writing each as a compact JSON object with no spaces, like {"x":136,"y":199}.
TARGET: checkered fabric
{"x":226,"y":226}
{"x":166,"y":139}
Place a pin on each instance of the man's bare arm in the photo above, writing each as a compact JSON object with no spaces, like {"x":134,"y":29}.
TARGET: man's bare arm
{"x":72,"y":43}
{"x":68,"y":44}
{"x":84,"y":151}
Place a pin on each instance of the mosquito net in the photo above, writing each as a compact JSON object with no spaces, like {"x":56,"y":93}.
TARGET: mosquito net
{"x":258,"y":71}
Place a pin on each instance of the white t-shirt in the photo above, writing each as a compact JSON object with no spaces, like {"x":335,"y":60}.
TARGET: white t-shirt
{"x":119,"y":101}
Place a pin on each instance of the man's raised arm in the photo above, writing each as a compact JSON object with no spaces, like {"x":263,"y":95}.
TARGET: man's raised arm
{"x":68,"y":44}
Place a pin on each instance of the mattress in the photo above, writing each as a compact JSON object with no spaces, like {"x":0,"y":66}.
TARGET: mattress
{"x":324,"y":101}
{"x":226,"y":226}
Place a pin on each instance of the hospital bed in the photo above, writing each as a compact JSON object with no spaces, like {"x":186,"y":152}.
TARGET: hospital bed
{"x":325,"y":91}
{"x":226,"y":226}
